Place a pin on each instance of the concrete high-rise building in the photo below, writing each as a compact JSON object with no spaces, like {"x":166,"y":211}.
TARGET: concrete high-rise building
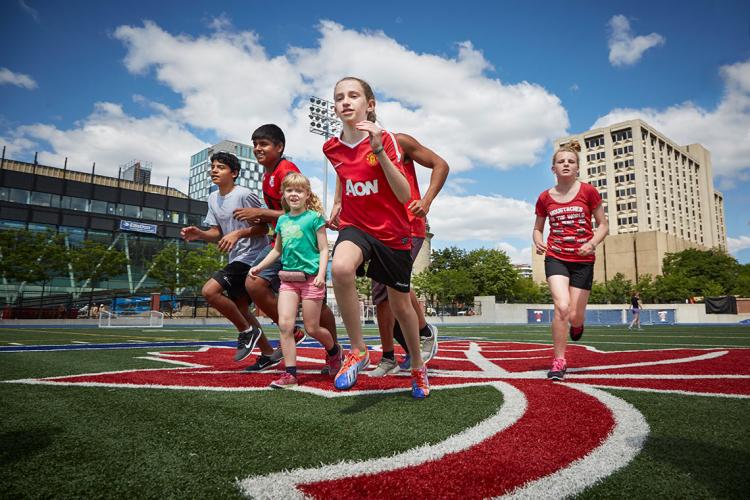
{"x":137,"y":171}
{"x":251,"y":172}
{"x":658,"y":196}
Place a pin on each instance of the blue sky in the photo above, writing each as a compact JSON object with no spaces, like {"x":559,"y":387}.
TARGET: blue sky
{"x":488,"y":86}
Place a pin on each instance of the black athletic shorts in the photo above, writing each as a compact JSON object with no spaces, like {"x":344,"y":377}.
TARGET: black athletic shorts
{"x":581,"y":274}
{"x":388,"y":266}
{"x":232,"y":279}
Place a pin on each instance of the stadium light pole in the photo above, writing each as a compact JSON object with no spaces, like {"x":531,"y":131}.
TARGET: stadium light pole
{"x":323,"y":121}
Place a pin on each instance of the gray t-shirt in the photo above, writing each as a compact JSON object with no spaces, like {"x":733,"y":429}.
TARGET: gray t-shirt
{"x":220,"y":213}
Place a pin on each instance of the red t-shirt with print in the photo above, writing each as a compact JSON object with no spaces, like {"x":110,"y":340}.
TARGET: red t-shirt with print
{"x":367,"y":200}
{"x":272,"y":184}
{"x":570,"y":223}
{"x":418,"y":224}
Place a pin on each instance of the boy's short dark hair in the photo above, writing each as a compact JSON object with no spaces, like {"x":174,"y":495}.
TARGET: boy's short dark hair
{"x":270,"y":132}
{"x":227,"y":159}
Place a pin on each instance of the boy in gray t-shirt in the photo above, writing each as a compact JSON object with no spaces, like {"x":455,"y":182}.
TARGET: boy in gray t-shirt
{"x":243,"y":242}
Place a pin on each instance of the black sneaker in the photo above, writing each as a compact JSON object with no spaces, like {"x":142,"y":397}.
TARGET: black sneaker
{"x":246,"y":343}
{"x":576,"y":332}
{"x":264,"y":362}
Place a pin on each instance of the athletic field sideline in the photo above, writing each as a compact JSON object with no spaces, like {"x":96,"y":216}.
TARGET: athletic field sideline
{"x":84,"y":414}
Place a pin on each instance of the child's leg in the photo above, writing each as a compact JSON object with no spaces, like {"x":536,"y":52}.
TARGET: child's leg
{"x":288,"y":302}
{"x":386,"y":321}
{"x":311,"y":317}
{"x":560,"y":290}
{"x":579,"y":298}
{"x":406,"y":316}
{"x":214,"y":295}
{"x":243,"y":304}
{"x":346,"y":260}
{"x":418,"y":309}
{"x":328,"y":321}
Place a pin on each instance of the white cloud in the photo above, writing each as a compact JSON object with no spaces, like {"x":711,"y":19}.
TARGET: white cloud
{"x":29,"y":10}
{"x":517,"y":255}
{"x":624,"y":48}
{"x":8,"y":77}
{"x":111,"y":138}
{"x":488,"y":218}
{"x":725,"y":130}
{"x":738,"y":244}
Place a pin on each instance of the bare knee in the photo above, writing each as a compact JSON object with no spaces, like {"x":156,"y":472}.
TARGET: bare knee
{"x":210,"y":293}
{"x":562,"y":311}
{"x":254,"y":286}
{"x":312,"y":325}
{"x":342,"y":273}
{"x":286,"y":326}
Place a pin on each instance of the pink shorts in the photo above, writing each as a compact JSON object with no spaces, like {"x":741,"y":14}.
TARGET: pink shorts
{"x":305,"y":289}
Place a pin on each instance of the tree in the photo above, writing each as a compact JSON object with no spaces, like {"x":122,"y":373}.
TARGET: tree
{"x":427,"y":284}
{"x":646,"y":286}
{"x":599,"y":294}
{"x":93,"y":262}
{"x":742,"y":283}
{"x":448,"y":258}
{"x":674,"y":287}
{"x":702,"y":267}
{"x":526,"y":291}
{"x":30,"y":257}
{"x":198,"y":264}
{"x":364,"y":287}
{"x":168,"y":268}
{"x":492,"y":273}
{"x":619,"y":289}
{"x":456,"y":286}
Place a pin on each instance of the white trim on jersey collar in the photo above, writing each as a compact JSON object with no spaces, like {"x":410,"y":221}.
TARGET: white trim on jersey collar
{"x":352,"y":146}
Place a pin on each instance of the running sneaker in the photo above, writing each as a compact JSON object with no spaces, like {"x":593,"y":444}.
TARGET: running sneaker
{"x":385,"y":367}
{"x":576,"y":332}
{"x":264,"y":361}
{"x":420,"y":386}
{"x":286,"y":381}
{"x":405,"y":363}
{"x":347,"y":375}
{"x":246,"y":342}
{"x":430,"y":344}
{"x":333,"y":363}
{"x":557,"y":372}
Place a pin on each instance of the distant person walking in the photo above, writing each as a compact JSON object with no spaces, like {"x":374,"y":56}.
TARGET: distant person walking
{"x":636,"y":305}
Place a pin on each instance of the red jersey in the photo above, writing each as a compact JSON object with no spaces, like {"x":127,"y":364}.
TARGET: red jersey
{"x":418,"y":224}
{"x":272,"y":184}
{"x":569,"y":223}
{"x":367,"y":200}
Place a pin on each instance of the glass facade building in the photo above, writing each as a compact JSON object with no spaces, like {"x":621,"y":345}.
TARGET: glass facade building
{"x":251,"y":172}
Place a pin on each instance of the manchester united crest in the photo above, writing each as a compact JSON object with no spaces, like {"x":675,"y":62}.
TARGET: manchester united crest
{"x":372,"y":160}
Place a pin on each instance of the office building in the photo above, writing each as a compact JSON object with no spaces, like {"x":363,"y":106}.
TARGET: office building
{"x":137,"y":171}
{"x":658,"y":196}
{"x":251,"y":172}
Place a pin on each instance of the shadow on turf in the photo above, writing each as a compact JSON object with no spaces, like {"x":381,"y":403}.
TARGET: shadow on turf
{"x":722,"y":471}
{"x":17,"y":445}
{"x":364,"y":403}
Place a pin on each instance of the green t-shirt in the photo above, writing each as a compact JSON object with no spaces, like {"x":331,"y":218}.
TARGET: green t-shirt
{"x":299,"y":242}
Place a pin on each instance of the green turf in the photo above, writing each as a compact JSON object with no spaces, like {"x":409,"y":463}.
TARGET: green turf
{"x":76,"y":442}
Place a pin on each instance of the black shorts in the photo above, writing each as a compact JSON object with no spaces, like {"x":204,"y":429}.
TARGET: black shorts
{"x":232,"y":279}
{"x":581,"y":274}
{"x":379,"y":292}
{"x":388,"y":266}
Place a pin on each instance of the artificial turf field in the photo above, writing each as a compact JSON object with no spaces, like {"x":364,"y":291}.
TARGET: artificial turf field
{"x":218,"y":427}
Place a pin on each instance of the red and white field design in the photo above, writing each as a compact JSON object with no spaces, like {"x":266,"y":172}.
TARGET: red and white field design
{"x":547,"y":439}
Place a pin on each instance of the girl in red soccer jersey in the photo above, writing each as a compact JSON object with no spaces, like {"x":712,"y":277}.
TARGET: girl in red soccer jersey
{"x":570,"y":248}
{"x":369,"y":211}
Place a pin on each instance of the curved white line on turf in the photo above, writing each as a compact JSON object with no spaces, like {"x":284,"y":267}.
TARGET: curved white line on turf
{"x":283,"y":484}
{"x":701,"y":357}
{"x":621,"y":446}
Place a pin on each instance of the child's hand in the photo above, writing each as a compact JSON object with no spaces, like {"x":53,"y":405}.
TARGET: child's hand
{"x":190,"y":233}
{"x":333,"y":221}
{"x":419,"y":208}
{"x":541,"y":248}
{"x":319,"y":282}
{"x":227,"y":242}
{"x":376,"y":133}
{"x":587,"y":249}
{"x":249,"y":215}
{"x":253,"y":272}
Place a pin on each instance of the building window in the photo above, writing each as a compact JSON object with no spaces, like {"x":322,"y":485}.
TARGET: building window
{"x":73,"y":203}
{"x":18,"y":196}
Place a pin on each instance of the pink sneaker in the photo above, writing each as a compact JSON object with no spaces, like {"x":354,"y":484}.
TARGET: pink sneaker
{"x":557,"y":372}
{"x":333,"y":363}
{"x":286,"y":381}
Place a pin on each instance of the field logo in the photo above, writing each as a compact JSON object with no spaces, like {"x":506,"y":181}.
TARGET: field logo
{"x":546,"y":440}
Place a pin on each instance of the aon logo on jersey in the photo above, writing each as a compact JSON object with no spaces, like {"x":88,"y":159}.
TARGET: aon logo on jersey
{"x":361,"y":188}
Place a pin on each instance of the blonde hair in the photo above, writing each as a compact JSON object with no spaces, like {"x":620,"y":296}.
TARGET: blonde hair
{"x":366,"y":89}
{"x":569,"y":147}
{"x":295,"y":179}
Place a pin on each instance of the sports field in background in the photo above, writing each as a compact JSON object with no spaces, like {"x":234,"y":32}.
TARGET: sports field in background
{"x":155,"y":413}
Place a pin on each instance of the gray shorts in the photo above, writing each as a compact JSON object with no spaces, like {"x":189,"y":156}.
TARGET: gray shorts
{"x":271,"y":273}
{"x":379,"y":292}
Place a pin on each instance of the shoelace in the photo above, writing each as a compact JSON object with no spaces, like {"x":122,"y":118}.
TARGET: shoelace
{"x":558,"y":365}
{"x":421,"y":376}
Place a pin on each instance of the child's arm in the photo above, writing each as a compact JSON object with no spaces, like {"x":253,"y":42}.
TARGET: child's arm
{"x":254,"y":215}
{"x":192,"y":233}
{"x":602,"y":229}
{"x":538,"y":235}
{"x":229,"y":240}
{"x":320,"y":279}
{"x":333,"y":220}
{"x":396,"y":179}
{"x":427,"y":158}
{"x":272,"y":257}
